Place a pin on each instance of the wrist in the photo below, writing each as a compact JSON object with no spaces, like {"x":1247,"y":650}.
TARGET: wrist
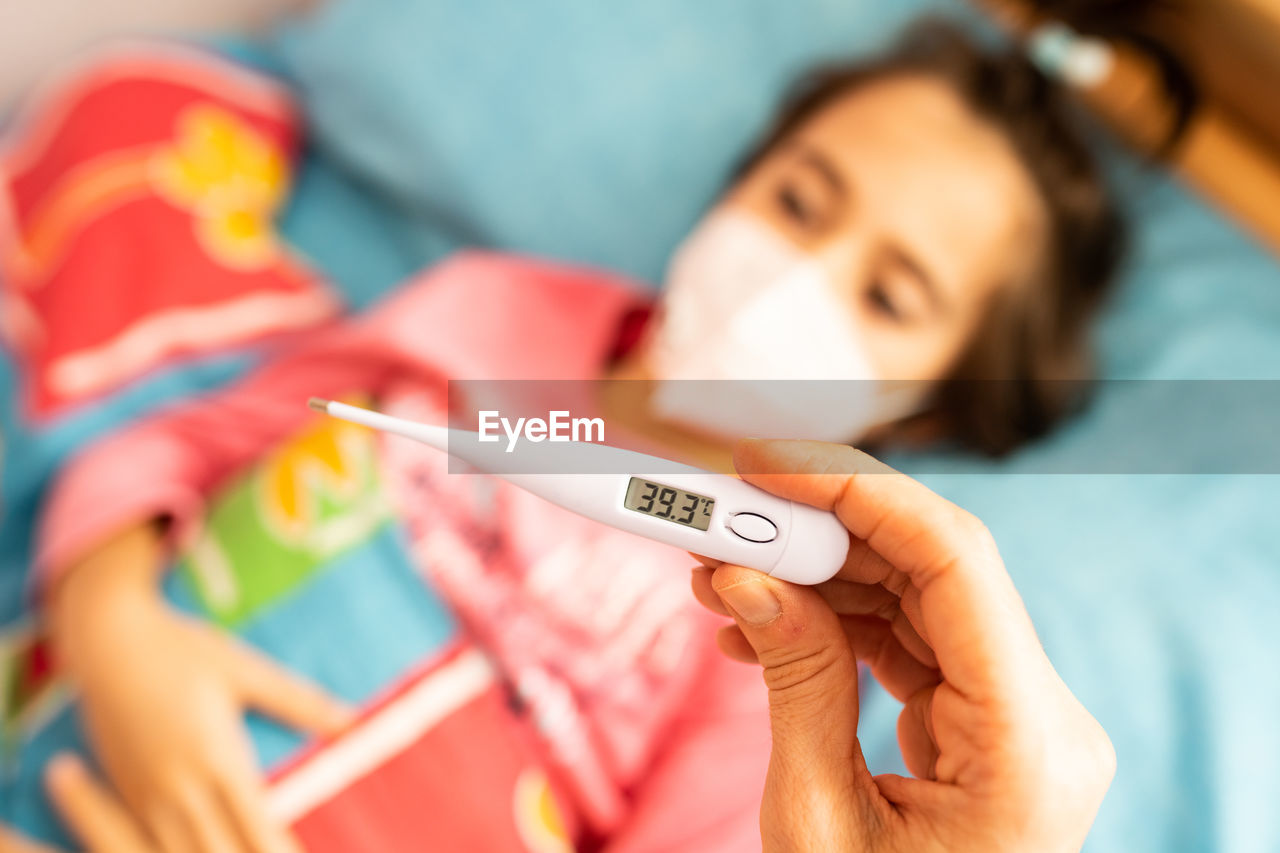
{"x":105,"y":586}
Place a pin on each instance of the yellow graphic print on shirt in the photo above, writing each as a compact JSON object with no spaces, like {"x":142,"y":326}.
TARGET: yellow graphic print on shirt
{"x":231,"y":178}
{"x":305,"y":503}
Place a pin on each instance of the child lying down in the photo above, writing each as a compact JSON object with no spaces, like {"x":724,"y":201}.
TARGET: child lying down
{"x":929,"y":216}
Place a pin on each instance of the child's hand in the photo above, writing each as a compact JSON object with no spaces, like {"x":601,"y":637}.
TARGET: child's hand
{"x":163,"y":699}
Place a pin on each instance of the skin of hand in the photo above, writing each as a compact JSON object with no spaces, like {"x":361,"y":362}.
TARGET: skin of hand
{"x":1004,"y":757}
{"x":163,"y":698}
{"x":90,"y":811}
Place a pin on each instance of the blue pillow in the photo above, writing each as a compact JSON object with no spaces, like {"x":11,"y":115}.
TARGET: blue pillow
{"x":592,"y":132}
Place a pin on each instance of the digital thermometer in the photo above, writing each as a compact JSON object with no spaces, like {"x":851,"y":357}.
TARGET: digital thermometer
{"x":714,"y":515}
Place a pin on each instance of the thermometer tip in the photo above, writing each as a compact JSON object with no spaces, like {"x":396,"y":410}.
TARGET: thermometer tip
{"x":318,"y":404}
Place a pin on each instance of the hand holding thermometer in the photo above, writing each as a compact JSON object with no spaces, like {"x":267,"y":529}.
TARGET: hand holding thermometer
{"x":711,"y":514}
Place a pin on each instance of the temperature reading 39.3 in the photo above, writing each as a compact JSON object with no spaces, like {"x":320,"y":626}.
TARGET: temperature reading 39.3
{"x":671,"y":504}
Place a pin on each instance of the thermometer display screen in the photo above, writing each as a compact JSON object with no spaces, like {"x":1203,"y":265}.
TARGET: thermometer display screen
{"x":669,"y":503}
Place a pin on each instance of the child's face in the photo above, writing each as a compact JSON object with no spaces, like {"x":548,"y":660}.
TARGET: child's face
{"x":918,"y":210}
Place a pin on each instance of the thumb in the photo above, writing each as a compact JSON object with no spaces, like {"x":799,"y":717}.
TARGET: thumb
{"x":812,"y":678}
{"x":91,"y":811}
{"x":276,"y":692}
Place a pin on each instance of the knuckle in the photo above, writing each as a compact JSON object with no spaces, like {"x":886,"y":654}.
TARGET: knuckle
{"x":792,"y":671}
{"x":897,"y":583}
{"x":868,"y":564}
{"x":224,"y":771}
{"x":1104,"y":755}
{"x":173,"y":787}
{"x":880,"y":645}
{"x":1096,"y":755}
{"x":968,"y":541}
{"x":974,"y":528}
{"x":156,"y":812}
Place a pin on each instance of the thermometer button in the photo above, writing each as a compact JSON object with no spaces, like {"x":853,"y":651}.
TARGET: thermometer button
{"x":753,"y":528}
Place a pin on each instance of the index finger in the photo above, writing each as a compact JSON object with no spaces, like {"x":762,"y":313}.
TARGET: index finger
{"x":972,"y":615}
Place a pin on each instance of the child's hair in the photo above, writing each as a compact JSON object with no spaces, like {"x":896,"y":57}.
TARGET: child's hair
{"x":1024,"y":369}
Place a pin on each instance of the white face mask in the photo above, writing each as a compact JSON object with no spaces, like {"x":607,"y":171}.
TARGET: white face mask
{"x":743,"y":304}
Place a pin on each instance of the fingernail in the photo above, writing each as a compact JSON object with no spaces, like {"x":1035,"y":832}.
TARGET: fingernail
{"x":753,"y":601}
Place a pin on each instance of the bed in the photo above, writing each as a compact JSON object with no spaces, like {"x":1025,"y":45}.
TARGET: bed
{"x":1230,"y":50}
{"x":407,"y":159}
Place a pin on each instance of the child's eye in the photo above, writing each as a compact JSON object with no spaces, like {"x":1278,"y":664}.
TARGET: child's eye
{"x":883,"y":304}
{"x":793,"y":205}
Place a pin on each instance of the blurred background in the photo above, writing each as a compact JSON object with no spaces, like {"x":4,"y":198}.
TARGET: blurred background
{"x":33,"y":36}
{"x":598,"y":134}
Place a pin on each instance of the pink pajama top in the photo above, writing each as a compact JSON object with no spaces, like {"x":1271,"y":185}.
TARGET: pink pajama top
{"x":660,"y":742}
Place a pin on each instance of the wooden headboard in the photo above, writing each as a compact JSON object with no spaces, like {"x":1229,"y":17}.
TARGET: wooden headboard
{"x":1231,"y":148}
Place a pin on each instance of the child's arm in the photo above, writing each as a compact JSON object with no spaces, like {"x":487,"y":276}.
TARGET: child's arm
{"x":167,"y":466}
{"x":163,"y":697}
